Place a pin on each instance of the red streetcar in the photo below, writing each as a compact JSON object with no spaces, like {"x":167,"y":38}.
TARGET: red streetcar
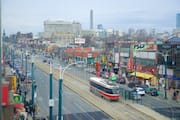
{"x":105,"y":88}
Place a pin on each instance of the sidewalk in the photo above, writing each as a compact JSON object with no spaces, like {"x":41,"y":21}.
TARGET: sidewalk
{"x":146,"y":110}
{"x":169,"y":99}
{"x":150,"y":112}
{"x":8,"y":72}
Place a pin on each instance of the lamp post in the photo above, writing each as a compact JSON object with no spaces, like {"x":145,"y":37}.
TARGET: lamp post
{"x":134,"y":68}
{"x":60,"y":95}
{"x":165,"y":86}
{"x":60,"y":87}
{"x":165,"y":55}
{"x":22,"y":63}
{"x":26,"y":63}
{"x":51,"y":100}
{"x":32,"y":74}
{"x":13,"y":58}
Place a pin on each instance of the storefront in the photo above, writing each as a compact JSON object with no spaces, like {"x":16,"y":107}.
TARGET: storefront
{"x":145,"y":77}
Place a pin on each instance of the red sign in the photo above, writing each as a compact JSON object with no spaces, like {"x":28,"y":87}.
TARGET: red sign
{"x":130,"y":64}
{"x":4,"y":95}
{"x":97,"y":67}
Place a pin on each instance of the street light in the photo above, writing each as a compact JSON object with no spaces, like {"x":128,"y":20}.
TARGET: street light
{"x":26,"y":63}
{"x":51,"y":100}
{"x":134,"y":68}
{"x":60,"y":86}
{"x":32,"y":74}
{"x":165,"y":55}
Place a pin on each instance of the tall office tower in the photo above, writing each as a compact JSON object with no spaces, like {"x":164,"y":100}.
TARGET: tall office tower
{"x":91,"y":19}
{"x":178,"y":21}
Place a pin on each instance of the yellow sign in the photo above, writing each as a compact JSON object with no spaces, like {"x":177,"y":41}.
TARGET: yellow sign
{"x":103,"y":58}
{"x":13,"y":82}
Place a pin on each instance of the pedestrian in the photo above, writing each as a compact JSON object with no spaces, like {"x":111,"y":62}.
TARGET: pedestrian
{"x":174,"y":95}
{"x":177,"y":95}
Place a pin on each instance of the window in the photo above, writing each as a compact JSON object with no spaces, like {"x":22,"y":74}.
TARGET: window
{"x":107,"y":90}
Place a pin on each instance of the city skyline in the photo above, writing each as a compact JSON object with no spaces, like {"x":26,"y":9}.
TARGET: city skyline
{"x":29,"y":15}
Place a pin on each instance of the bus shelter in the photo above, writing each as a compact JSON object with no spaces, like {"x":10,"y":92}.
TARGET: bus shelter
{"x":125,"y":92}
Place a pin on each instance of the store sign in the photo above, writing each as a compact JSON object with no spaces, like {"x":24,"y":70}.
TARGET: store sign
{"x":130,"y":64}
{"x":17,"y":98}
{"x":116,"y":57}
{"x":79,"y":40}
{"x":139,"y":47}
{"x":4,"y":95}
{"x":146,"y":55}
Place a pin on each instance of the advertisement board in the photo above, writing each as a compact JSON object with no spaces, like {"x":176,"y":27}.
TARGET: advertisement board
{"x":79,"y":40}
{"x":116,"y":57}
{"x":12,"y":82}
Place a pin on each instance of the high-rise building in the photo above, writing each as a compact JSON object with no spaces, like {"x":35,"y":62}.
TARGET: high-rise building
{"x":91,"y":19}
{"x":178,"y":21}
{"x":52,"y":27}
{"x":62,"y":31}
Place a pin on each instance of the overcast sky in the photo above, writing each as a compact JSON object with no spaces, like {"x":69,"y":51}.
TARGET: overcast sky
{"x":29,"y":15}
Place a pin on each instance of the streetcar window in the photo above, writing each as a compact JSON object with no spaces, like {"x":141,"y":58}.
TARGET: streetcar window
{"x":115,"y":91}
{"x":107,"y":90}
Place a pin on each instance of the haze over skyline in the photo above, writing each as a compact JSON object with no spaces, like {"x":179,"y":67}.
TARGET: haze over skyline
{"x":29,"y":15}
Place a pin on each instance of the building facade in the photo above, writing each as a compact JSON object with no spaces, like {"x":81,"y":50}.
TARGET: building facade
{"x":62,"y":31}
{"x":62,"y":26}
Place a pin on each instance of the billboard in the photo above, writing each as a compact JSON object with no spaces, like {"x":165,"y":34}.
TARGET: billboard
{"x":116,"y":57}
{"x":139,"y":47}
{"x":79,"y":40}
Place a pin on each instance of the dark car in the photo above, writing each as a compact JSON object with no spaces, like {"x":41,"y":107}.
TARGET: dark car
{"x":121,"y":80}
{"x":44,"y":60}
{"x":153,"y":92}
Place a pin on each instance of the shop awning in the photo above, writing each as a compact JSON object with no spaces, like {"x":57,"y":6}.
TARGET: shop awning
{"x":142,"y":75}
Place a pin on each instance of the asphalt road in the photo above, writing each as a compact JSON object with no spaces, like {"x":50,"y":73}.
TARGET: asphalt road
{"x":74,"y":107}
{"x":163,"y":107}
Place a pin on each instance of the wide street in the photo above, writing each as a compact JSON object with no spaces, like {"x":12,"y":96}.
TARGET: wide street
{"x":158,"y":104}
{"x":73,"y":107}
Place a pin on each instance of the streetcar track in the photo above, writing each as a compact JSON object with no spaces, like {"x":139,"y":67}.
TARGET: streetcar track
{"x":68,"y":78}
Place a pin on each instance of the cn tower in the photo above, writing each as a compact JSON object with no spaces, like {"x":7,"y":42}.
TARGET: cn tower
{"x":91,"y":19}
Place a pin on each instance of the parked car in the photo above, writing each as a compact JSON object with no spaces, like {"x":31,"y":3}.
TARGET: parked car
{"x":153,"y":92}
{"x":44,"y":60}
{"x":121,"y":80}
{"x":135,"y":95}
{"x":140,"y":91}
{"x":146,"y":88}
